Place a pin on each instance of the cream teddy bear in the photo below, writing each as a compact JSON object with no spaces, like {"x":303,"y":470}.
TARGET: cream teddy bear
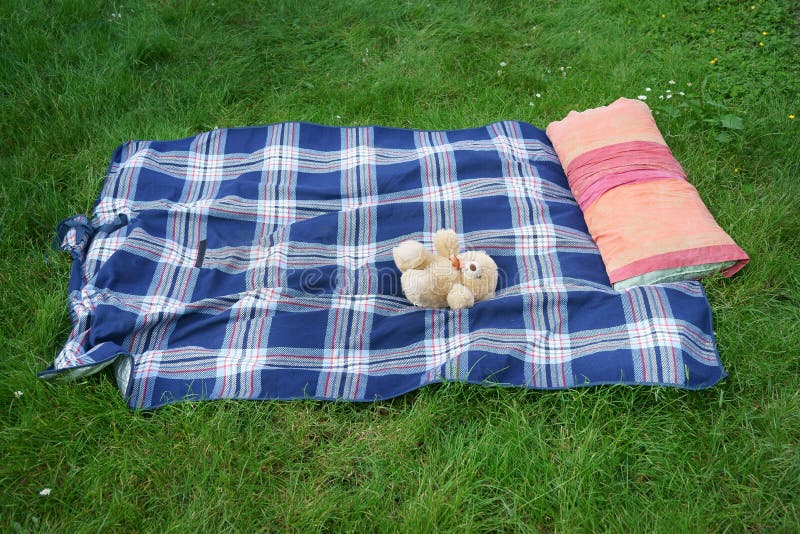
{"x":447,"y":279}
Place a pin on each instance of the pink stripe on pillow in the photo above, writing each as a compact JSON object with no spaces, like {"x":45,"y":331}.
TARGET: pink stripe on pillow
{"x":611,"y":180}
{"x":593,"y":173}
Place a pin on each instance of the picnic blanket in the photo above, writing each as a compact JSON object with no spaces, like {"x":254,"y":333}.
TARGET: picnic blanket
{"x":257,"y":263}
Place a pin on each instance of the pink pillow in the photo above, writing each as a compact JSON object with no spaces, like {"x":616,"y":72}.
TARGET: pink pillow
{"x":647,"y":220}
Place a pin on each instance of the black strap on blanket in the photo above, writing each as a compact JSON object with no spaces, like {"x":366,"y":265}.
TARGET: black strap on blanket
{"x":201,"y":253}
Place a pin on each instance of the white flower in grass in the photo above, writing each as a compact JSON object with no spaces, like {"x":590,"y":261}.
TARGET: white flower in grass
{"x":671,"y":82}
{"x":18,"y":394}
{"x":530,"y":104}
{"x":538,"y":95}
{"x":642,"y":97}
{"x":669,"y":96}
{"x":688,"y":84}
{"x":647,"y":89}
{"x":681,"y":93}
{"x":45,"y":492}
{"x":661,"y":97}
{"x":503,"y":64}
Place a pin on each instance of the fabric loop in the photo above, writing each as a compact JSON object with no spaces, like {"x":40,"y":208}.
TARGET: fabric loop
{"x":73,"y":234}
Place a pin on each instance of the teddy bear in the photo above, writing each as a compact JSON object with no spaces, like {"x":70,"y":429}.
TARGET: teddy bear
{"x":446,"y":278}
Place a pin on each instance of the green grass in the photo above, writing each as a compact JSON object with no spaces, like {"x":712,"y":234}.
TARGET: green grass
{"x":76,"y":80}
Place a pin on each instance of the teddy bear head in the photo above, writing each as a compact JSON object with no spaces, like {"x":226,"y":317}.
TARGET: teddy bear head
{"x":478,"y":273}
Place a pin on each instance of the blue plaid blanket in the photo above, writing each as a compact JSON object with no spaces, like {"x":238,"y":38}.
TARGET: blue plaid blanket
{"x":257,"y":263}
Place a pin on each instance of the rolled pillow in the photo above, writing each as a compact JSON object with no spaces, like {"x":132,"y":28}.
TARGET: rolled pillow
{"x":648,"y":221}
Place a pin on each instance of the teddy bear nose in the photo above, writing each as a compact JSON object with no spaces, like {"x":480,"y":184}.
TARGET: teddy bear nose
{"x":472,"y":267}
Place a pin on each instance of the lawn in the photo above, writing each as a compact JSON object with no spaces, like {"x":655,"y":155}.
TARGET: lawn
{"x":79,"y":77}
